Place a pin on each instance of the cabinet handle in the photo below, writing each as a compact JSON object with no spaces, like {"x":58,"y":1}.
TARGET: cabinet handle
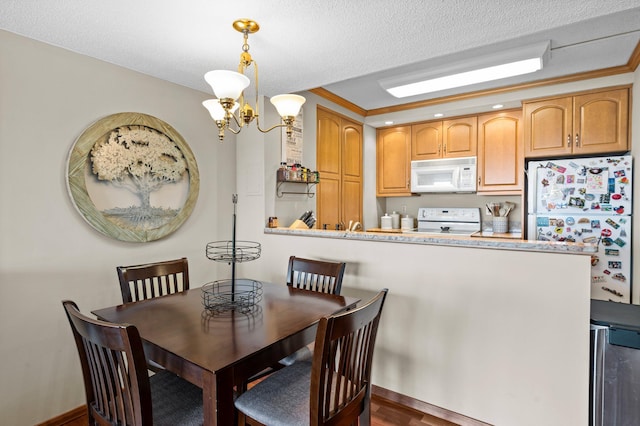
{"x":577,"y":140}
{"x":479,"y":180}
{"x":439,"y":148}
{"x":569,"y":141}
{"x":445,"y":149}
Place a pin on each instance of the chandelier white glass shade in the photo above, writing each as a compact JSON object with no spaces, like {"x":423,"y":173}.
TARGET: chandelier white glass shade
{"x":229,"y":86}
{"x":216,"y":109}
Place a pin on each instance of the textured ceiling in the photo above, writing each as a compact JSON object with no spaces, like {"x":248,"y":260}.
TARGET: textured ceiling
{"x":344,"y":46}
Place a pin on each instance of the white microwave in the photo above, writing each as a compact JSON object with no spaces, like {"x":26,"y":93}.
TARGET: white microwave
{"x":444,"y":175}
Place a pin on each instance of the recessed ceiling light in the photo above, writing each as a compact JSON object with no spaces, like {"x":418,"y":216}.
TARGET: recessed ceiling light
{"x":439,"y":114}
{"x":497,"y":106}
{"x":388,"y":123}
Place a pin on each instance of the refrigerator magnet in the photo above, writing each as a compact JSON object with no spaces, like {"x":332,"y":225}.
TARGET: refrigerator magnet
{"x":597,"y":181}
{"x":620,"y":242}
{"x":615,"y":264}
{"x":542,"y":221}
{"x":612,"y":223}
{"x":607,"y":242}
{"x":619,"y":276}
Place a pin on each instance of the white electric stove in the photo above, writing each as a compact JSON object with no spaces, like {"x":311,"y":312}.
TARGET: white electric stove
{"x":448,"y":221}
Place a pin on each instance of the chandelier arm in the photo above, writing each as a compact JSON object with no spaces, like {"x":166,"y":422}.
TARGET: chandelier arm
{"x":238,"y":123}
{"x":275,"y":126}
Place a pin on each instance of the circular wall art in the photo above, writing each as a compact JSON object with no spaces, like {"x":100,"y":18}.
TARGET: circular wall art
{"x":133,"y":177}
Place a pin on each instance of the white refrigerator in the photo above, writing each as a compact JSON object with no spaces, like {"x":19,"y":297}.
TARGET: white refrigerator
{"x":587,"y":200}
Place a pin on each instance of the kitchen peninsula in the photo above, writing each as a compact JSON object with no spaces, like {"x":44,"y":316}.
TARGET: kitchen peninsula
{"x":482,"y":327}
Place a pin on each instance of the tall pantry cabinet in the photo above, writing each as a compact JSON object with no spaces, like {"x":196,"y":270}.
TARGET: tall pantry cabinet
{"x":339,"y":161}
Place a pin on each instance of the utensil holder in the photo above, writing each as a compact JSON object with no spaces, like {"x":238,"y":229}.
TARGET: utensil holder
{"x":500,"y":224}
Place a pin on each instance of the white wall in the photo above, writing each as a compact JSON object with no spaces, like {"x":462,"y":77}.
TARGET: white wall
{"x":47,"y":251}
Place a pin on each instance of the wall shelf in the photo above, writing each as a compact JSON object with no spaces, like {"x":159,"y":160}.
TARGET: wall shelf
{"x":307,"y":192}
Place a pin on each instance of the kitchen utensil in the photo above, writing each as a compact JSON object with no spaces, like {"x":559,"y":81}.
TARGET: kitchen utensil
{"x":510,"y":206}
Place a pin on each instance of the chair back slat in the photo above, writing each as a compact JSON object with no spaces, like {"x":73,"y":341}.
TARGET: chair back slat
{"x":139,"y":282}
{"x":316,"y":275}
{"x":341,"y":371}
{"x":114,"y":370}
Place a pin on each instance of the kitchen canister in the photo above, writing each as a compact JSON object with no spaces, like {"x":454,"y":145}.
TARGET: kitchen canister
{"x":395,"y":220}
{"x":500,"y":224}
{"x":407,"y":222}
{"x":386,"y":222}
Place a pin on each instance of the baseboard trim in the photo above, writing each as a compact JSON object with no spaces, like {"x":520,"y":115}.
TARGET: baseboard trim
{"x":77,"y":415}
{"x":377,"y":392}
{"x":390,"y":396}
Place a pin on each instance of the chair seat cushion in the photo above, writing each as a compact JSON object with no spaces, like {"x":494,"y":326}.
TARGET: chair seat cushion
{"x":282,"y":399}
{"x":175,"y":401}
{"x":302,"y":354}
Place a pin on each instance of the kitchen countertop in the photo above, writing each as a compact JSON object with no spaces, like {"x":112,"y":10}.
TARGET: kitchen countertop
{"x":488,"y":242}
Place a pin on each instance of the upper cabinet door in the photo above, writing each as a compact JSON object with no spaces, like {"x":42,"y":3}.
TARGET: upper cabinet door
{"x":547,"y":127}
{"x":460,"y":137}
{"x":500,"y":154}
{"x":426,"y":141}
{"x":328,"y":143}
{"x":351,"y":149}
{"x":600,"y":122}
{"x":393,"y":159}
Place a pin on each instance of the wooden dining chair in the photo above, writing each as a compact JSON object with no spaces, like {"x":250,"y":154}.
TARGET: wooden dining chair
{"x":306,"y":274}
{"x":334,"y":389}
{"x":139,"y":282}
{"x":117,"y":385}
{"x":317,"y":275}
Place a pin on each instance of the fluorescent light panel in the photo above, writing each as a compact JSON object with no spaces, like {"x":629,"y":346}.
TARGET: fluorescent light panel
{"x":507,"y":64}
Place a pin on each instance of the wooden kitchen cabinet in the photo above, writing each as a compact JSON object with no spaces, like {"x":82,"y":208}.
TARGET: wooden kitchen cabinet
{"x":339,"y":162}
{"x":590,"y":123}
{"x":393,"y":161}
{"x":444,"y":139}
{"x":500,"y":152}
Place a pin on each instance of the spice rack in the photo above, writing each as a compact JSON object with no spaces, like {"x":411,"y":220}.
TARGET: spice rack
{"x":309,"y":180}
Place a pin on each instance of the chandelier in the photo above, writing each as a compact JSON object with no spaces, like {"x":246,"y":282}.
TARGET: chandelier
{"x":230,"y":110}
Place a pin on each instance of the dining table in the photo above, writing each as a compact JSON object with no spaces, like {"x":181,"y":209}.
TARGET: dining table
{"x":219,"y":350}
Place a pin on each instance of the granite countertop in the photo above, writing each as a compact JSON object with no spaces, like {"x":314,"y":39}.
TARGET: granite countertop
{"x":489,"y":242}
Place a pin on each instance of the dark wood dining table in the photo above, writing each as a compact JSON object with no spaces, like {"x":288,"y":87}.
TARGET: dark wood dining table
{"x":219,"y":350}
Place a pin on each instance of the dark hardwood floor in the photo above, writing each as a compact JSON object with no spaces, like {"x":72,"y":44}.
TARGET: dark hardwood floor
{"x":385,"y":413}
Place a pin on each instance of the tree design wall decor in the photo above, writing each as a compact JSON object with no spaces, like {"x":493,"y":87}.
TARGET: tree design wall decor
{"x":133,"y":177}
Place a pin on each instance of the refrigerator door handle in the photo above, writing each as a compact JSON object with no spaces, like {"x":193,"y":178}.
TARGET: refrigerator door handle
{"x":599,"y":339}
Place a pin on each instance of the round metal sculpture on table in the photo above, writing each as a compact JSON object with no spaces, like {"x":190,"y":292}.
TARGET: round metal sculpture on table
{"x":240,"y":295}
